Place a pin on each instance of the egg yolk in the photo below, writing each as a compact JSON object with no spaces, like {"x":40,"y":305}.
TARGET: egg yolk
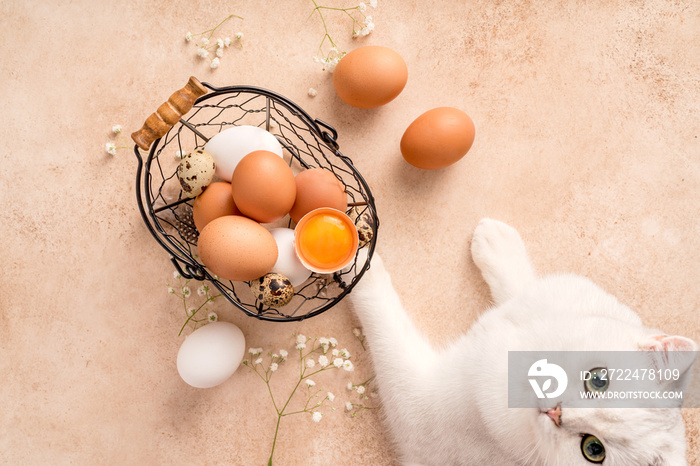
{"x":325,"y":241}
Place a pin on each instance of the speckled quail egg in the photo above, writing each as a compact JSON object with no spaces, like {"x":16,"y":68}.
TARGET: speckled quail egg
{"x":272,"y":289}
{"x":195,"y":172}
{"x":364,"y":223}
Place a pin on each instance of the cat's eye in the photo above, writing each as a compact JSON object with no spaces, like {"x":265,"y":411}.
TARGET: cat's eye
{"x":598,"y":380}
{"x":592,"y":449}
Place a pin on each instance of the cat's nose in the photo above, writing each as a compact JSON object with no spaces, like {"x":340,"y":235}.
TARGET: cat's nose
{"x":555,"y":415}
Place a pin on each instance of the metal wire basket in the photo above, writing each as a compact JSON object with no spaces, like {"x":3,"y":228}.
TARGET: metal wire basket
{"x":308,"y":143}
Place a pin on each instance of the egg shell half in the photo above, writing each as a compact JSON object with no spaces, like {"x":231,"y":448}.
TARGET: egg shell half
{"x":232,"y":144}
{"x":237,"y":248}
{"x":288,"y":264}
{"x":216,"y":201}
{"x":317,"y":187}
{"x":370,"y":76}
{"x":211,"y":354}
{"x":325,"y":240}
{"x":263,"y":186}
{"x":438,"y":138}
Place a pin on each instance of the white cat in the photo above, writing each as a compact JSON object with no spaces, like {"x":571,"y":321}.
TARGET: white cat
{"x":449,"y":406}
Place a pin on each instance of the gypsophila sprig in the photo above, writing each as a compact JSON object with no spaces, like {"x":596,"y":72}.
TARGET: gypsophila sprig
{"x":184,"y":292}
{"x":315,"y":402}
{"x":210,"y":48}
{"x":364,"y":392}
{"x":111,"y":147}
{"x":329,"y":54}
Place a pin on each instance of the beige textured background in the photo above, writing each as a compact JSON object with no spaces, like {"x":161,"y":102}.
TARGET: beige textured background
{"x":586,"y":142}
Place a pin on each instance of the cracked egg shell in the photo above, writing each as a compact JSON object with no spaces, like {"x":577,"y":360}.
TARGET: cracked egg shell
{"x":273,"y":289}
{"x":195,"y":172}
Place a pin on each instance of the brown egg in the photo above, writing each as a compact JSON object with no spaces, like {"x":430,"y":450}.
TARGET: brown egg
{"x":237,"y":248}
{"x":263,"y":186}
{"x":216,"y":201}
{"x":317,"y":187}
{"x":438,"y":138}
{"x":370,"y":76}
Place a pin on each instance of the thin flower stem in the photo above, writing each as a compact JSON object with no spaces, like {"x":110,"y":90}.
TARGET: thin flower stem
{"x":267,"y":382}
{"x":184,"y":302}
{"x":274,"y":440}
{"x":213,"y":30}
{"x":320,"y":370}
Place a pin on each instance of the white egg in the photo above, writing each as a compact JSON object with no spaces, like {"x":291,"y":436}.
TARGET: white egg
{"x":232,"y":144}
{"x":211,"y":354}
{"x":288,"y":264}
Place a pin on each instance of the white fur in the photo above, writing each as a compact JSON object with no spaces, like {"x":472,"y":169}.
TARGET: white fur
{"x":449,"y":406}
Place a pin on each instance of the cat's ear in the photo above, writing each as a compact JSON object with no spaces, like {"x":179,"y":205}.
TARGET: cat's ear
{"x":670,"y":351}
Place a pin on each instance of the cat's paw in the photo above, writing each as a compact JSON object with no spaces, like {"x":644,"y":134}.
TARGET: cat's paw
{"x":500,"y":254}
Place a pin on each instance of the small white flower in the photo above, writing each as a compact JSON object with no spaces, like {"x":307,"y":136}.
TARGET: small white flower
{"x":373,"y":3}
{"x":192,"y":311}
{"x":348,"y":406}
{"x":317,"y":416}
{"x":227,"y":41}
{"x":171,"y":290}
{"x":111,"y":148}
{"x":344,"y":353}
{"x":362,"y":6}
{"x":212,"y":317}
{"x":186,"y":292}
{"x":338,"y":362}
{"x":255,"y":351}
{"x":360,"y":389}
{"x":283,"y":354}
{"x":188,"y":36}
{"x":205,"y":41}
{"x":301,"y":339}
{"x":258,"y":361}
{"x":310,"y":363}
{"x":239,"y":35}
{"x":350,"y":386}
{"x":273,"y":367}
{"x":214,"y":63}
{"x":335,"y":352}
{"x":116,"y":129}
{"x":368,"y":20}
{"x":316,"y":59}
{"x":301,"y":346}
{"x":176,"y":274}
{"x":310,"y":383}
{"x":322,"y":361}
{"x":330,"y":396}
{"x":202,"y":52}
{"x":220,"y":52}
{"x":202,"y":290}
{"x":312,"y":92}
{"x":220,"y":43}
{"x":275,"y":355}
{"x":357,"y":332}
{"x":333,"y":341}
{"x":348,"y":366}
